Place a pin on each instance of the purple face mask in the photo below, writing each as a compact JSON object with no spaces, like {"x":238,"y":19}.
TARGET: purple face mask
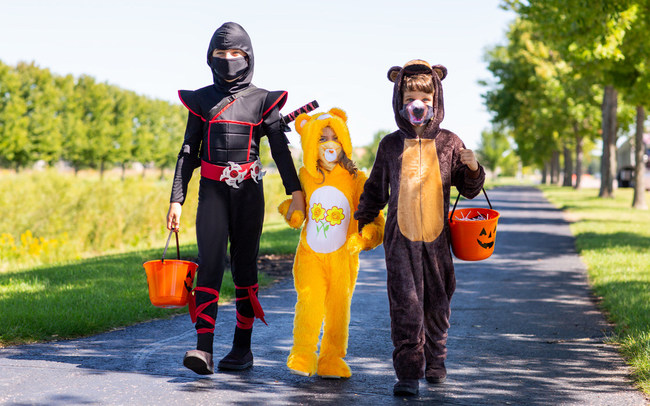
{"x":416,"y":112}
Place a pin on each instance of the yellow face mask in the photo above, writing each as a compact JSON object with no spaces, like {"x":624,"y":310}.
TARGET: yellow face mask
{"x":328,"y":154}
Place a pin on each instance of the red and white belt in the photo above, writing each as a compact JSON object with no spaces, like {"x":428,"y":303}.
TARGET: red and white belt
{"x":233,"y":174}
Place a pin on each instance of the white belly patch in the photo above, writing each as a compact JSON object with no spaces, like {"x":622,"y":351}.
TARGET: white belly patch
{"x":328,"y":218}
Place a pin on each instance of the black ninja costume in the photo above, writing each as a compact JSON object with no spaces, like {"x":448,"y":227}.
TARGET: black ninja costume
{"x":225,"y":123}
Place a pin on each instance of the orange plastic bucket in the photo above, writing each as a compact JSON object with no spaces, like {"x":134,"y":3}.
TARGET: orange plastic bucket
{"x":473,"y":239}
{"x":170,"y":280}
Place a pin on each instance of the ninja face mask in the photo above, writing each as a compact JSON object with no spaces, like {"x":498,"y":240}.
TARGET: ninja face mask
{"x":229,"y":69}
{"x":416,"y":112}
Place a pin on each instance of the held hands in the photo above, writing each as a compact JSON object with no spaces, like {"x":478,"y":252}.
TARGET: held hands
{"x":174,"y":216}
{"x":297,"y":216}
{"x":297,"y":203}
{"x":468,"y":158}
{"x":370,"y":237}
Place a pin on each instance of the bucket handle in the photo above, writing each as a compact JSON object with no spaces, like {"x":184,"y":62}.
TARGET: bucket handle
{"x":178,"y":250}
{"x":451,"y":217}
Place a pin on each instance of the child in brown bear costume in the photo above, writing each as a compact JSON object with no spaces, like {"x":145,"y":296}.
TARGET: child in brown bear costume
{"x":413,"y":172}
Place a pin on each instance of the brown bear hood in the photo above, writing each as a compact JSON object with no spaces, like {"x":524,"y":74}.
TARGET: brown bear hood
{"x":417,"y":66}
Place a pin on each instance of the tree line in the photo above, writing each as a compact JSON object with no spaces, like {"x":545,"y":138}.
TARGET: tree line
{"x":87,"y":124}
{"x":573,"y":72}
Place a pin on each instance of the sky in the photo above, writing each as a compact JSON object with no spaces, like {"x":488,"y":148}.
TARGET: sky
{"x":335,"y":52}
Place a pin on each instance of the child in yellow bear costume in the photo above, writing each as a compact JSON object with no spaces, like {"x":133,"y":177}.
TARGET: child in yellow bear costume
{"x":324,"y":271}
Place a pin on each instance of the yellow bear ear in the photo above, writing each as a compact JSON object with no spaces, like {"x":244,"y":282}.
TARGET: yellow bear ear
{"x":340,"y":113}
{"x":301,"y":121}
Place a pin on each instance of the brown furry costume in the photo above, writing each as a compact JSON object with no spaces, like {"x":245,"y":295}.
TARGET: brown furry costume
{"x":414,"y":175}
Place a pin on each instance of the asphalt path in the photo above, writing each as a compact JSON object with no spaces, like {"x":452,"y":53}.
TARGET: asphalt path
{"x":525,"y":330}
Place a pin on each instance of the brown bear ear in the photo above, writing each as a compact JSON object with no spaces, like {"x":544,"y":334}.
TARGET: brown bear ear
{"x":393,"y":72}
{"x":440,"y":70}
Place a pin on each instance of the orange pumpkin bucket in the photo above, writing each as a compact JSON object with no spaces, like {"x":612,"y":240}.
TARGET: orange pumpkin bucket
{"x":170,"y":281}
{"x":473,"y":231}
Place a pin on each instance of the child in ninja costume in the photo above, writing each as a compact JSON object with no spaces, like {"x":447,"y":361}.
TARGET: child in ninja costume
{"x":225,"y":123}
{"x":413,"y":171}
{"x":324,"y":272}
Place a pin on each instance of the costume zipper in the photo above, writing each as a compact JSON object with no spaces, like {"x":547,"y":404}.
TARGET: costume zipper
{"x":420,"y":185}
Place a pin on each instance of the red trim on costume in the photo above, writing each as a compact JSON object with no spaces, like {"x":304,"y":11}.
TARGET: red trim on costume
{"x":252,"y":296}
{"x":212,"y":171}
{"x":250,"y":140}
{"x":282,"y":97}
{"x":209,"y":128}
{"x":222,"y":110}
{"x":188,"y":107}
{"x":236,"y":122}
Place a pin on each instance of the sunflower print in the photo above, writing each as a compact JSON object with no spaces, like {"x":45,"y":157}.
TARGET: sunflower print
{"x":317,"y":212}
{"x":335,"y":216}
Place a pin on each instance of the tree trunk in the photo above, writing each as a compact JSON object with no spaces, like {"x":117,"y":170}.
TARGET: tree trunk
{"x":639,"y":167}
{"x":123,"y":171}
{"x":555,"y":168}
{"x":568,"y":166}
{"x":608,"y":160}
{"x":101,"y":170}
{"x":545,"y":173}
{"x":579,"y":157}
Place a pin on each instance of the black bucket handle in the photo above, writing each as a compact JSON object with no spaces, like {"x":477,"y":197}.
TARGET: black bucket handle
{"x":178,"y":250}
{"x":451,"y":217}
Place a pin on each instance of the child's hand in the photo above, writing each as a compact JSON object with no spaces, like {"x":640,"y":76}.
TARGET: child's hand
{"x":174,"y":216}
{"x":297,"y":216}
{"x":355,"y":244}
{"x":297,"y":204}
{"x":468,"y":158}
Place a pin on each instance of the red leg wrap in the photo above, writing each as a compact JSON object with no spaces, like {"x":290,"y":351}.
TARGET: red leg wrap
{"x":196,"y":312}
{"x":244,"y":322}
{"x":252,"y":296}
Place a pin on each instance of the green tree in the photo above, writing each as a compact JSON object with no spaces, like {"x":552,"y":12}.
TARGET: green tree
{"x":15,"y":148}
{"x":549,"y":106}
{"x":145,"y":128}
{"x":43,"y":103}
{"x":101,"y":108}
{"x":600,"y":37}
{"x":495,"y":152}
{"x":367,"y":158}
{"x":524,"y":97}
{"x":122,"y":126}
{"x":78,"y":117}
{"x":168,"y":135}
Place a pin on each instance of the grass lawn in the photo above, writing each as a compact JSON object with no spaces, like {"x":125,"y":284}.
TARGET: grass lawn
{"x":614,"y":241}
{"x":90,"y":296}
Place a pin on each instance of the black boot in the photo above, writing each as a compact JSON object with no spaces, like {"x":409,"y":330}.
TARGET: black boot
{"x":240,"y":357}
{"x":406,"y":387}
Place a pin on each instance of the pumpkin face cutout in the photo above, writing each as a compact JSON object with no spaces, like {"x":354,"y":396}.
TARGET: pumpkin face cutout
{"x":488,"y":242}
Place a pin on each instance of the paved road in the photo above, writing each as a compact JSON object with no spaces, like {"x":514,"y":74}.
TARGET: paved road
{"x":524,"y":331}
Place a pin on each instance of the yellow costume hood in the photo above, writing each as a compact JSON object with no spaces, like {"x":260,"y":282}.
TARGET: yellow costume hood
{"x":310,"y":129}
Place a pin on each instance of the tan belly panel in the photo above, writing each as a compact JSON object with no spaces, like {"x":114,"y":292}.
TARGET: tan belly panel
{"x":420,"y":203}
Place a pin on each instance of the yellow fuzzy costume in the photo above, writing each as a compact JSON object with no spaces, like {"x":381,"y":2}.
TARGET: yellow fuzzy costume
{"x":324,"y":270}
